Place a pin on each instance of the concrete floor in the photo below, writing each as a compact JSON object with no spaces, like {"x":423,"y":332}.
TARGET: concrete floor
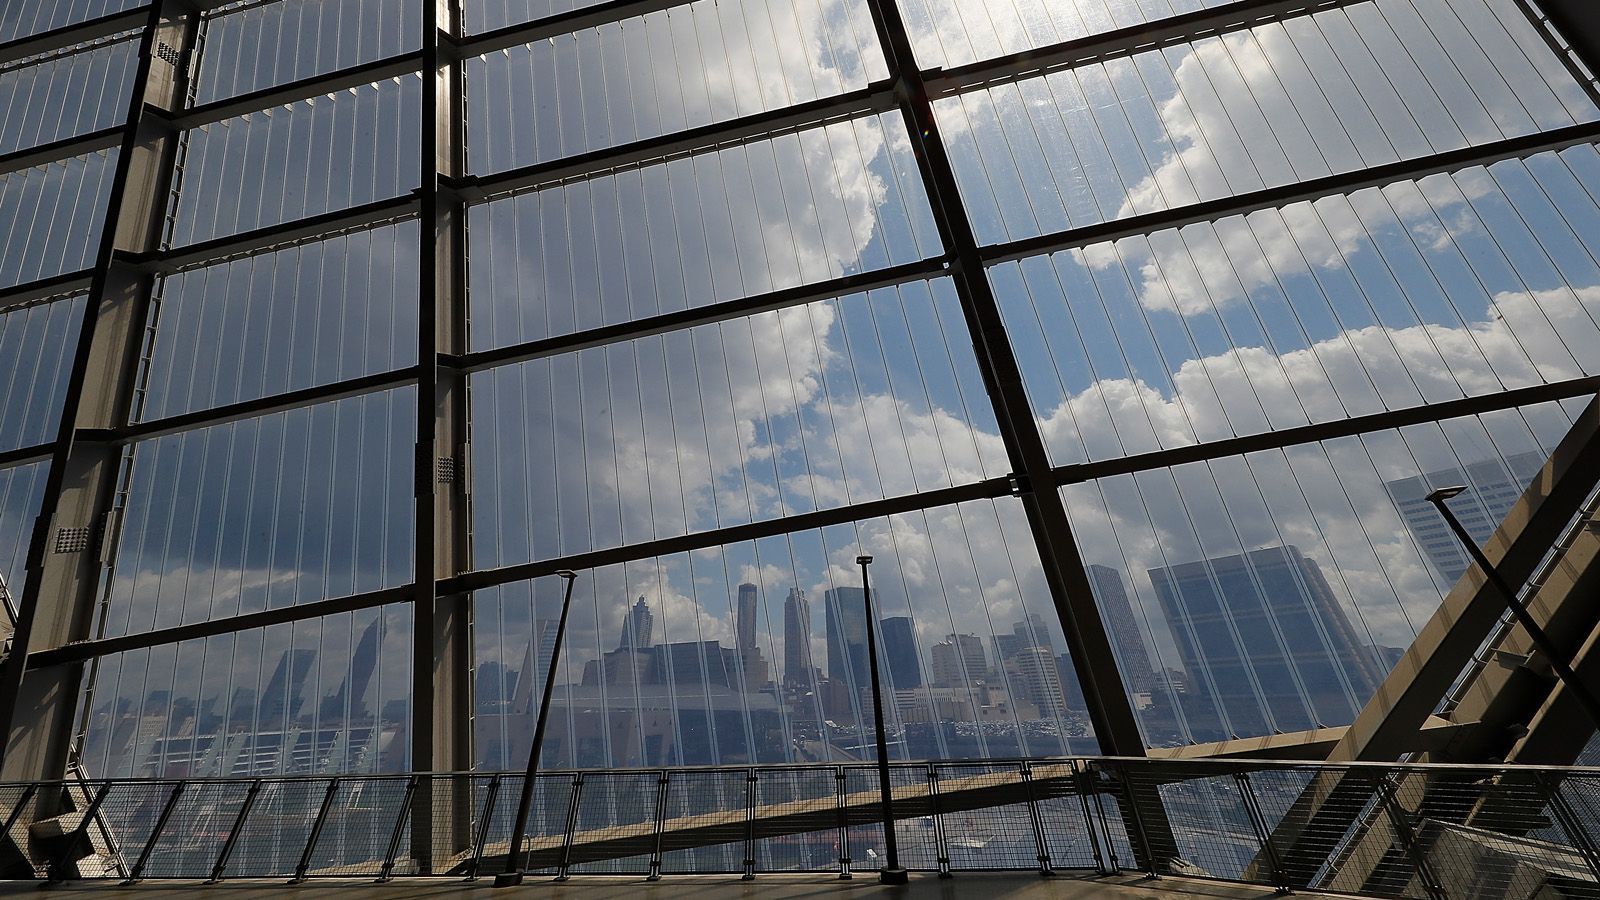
{"x":1011,"y":885}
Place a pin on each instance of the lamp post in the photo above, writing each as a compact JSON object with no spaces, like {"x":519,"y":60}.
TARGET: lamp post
{"x":513,"y":872}
{"x":1569,"y":678}
{"x":891,"y":873}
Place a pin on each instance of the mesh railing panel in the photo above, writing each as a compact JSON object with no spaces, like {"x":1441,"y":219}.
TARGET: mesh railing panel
{"x":200,"y":824}
{"x":1400,"y":832}
{"x":1068,"y":817}
{"x":359,"y":828}
{"x":997,"y":836}
{"x":273,"y":836}
{"x":615,"y":831}
{"x":1209,"y":820}
{"x":706,"y":822}
{"x":915,"y":830}
{"x":802,"y":797}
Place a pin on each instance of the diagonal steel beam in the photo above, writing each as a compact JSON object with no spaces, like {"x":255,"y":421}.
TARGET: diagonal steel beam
{"x":1443,"y":648}
{"x":1336,"y":428}
{"x":36,"y":712}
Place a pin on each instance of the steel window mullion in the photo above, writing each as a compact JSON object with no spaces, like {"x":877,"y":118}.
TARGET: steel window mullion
{"x":63,"y":149}
{"x":45,"y":290}
{"x":485,"y":578}
{"x":72,"y":35}
{"x":1146,"y":36}
{"x":23,"y":456}
{"x":247,"y":409}
{"x":1110,"y":709}
{"x":273,"y":237}
{"x":1337,"y":428}
{"x":873,"y":98}
{"x":783,"y":298}
{"x":301,"y":89}
{"x":545,"y":27}
{"x":1294,"y":192}
{"x":80,"y":651}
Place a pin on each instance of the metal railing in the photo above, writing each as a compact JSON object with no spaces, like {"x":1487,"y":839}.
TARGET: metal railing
{"x":1433,"y":831}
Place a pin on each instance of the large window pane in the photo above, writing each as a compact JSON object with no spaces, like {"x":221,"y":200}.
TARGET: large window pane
{"x":310,"y":157}
{"x":1458,"y":285}
{"x":267,"y":512}
{"x":697,"y":230}
{"x":671,"y":70}
{"x":300,"y":317}
{"x":51,"y":216}
{"x":66,"y":94}
{"x":755,"y":652}
{"x":1272,"y":592}
{"x":262,"y":45}
{"x":21,"y":489}
{"x":326,"y":695}
{"x":815,"y":407}
{"x":37,"y":344}
{"x":19,"y":20}
{"x":1279,"y":104}
{"x":947,"y":33}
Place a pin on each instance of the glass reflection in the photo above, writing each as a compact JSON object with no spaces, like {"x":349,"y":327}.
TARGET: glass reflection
{"x":1457,"y":285}
{"x":319,"y":155}
{"x":666,"y":72}
{"x":1272,"y":592}
{"x":67,"y":94}
{"x":813,"y":407}
{"x":754,"y":652}
{"x":1279,"y":104}
{"x":273,"y":511}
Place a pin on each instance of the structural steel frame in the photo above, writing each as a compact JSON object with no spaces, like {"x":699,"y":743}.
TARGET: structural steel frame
{"x":39,"y":680}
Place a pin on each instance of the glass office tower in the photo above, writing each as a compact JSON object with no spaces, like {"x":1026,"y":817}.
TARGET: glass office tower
{"x":332,"y":330}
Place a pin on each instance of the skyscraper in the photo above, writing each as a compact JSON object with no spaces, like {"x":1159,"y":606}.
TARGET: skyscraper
{"x":959,"y":660}
{"x":1493,"y":488}
{"x":900,"y":653}
{"x":847,"y":637}
{"x":797,"y":665}
{"x":1038,"y":681}
{"x":636,"y":627}
{"x":752,"y":667}
{"x":1121,"y":626}
{"x":1263,"y":636}
{"x":744,"y":618}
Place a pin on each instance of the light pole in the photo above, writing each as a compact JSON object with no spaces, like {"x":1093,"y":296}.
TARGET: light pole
{"x":1569,"y":678}
{"x":891,"y":873}
{"x":513,"y":873}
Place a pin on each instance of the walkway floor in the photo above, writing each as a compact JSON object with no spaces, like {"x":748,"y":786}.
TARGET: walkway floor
{"x":1009,"y":885}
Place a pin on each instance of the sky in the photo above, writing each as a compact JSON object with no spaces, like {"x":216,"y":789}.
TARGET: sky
{"x":1458,"y":285}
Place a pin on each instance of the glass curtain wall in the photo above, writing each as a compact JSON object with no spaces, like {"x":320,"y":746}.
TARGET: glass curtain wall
{"x":716,"y":335}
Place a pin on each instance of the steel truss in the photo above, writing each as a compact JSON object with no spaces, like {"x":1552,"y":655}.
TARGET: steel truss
{"x":53,"y":637}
